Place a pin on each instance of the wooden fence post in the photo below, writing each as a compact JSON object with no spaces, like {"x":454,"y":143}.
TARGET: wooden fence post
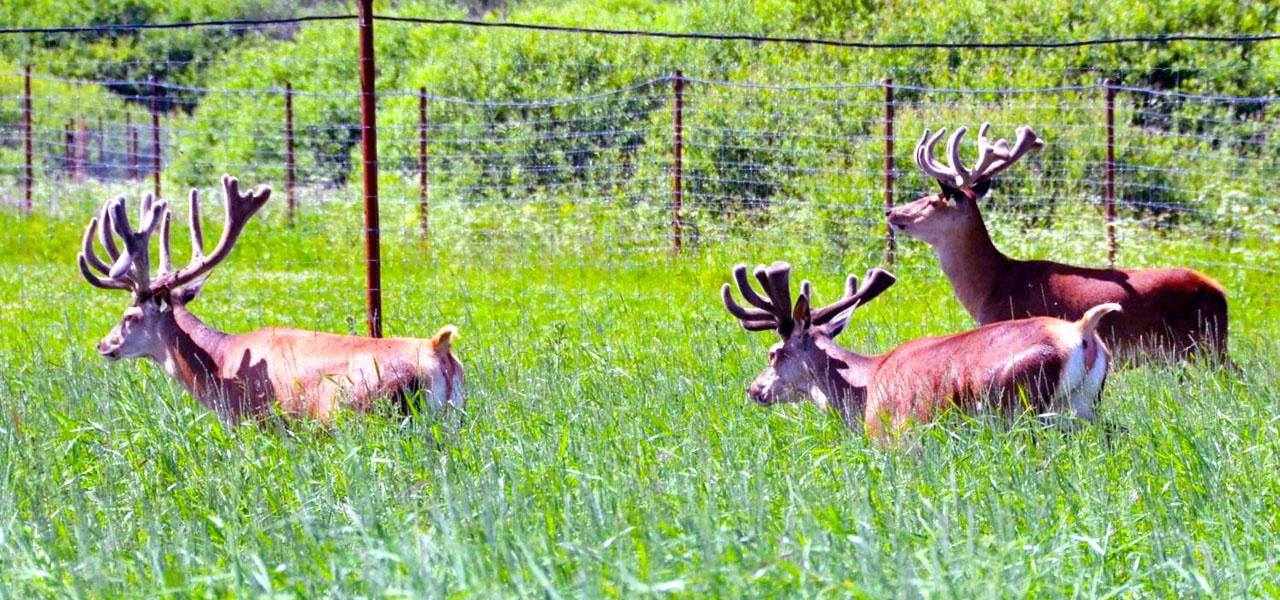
{"x":890,"y":244}
{"x":1110,"y":172}
{"x":28,"y":168}
{"x":369,"y":151}
{"x":424,"y":208}
{"x":155,"y":138}
{"x":291,"y":201}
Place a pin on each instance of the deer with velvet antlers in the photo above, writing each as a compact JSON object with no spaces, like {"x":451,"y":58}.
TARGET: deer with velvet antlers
{"x":304,"y":373}
{"x":1169,"y":313}
{"x":1043,"y":364}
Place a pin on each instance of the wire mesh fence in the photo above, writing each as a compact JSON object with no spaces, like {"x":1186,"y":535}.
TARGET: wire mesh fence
{"x":801,"y":160}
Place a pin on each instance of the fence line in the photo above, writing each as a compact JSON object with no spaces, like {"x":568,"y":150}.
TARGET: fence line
{"x":1234,"y":38}
{"x":735,"y":154}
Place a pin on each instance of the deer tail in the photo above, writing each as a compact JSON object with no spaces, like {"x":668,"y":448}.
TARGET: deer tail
{"x":1088,"y":324}
{"x":442,"y":341}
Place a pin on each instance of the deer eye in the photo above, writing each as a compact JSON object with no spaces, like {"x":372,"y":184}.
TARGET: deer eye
{"x":773,"y":355}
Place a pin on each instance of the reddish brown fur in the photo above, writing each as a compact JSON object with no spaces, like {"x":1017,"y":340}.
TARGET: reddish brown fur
{"x":1052,"y":364}
{"x":1170,"y":313}
{"x":1173,"y":312}
{"x":920,"y":378}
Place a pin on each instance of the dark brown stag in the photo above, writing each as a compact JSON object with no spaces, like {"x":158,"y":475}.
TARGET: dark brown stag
{"x":1169,"y":313}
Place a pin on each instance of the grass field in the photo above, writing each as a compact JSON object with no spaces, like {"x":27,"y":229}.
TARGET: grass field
{"x":609,"y":449}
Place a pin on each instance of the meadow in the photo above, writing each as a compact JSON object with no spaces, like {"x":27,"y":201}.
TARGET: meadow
{"x":608,"y":448}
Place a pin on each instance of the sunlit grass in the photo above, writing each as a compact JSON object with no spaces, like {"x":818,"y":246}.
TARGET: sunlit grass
{"x":608,"y":449}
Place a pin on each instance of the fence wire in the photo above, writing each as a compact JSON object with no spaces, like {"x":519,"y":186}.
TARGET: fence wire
{"x":800,"y":159}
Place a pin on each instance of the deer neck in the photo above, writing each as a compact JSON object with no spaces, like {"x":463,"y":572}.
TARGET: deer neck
{"x":841,"y":381}
{"x":192,"y":353}
{"x":972,"y":264}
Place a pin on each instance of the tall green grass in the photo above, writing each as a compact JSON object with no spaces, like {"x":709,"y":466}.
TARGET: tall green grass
{"x":608,"y":448}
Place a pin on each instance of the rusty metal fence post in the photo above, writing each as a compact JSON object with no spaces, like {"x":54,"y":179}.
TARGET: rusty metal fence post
{"x":369,"y":151}
{"x":28,"y":168}
{"x":291,"y":201}
{"x":1109,"y":193}
{"x":155,"y":138}
{"x":677,"y":161}
{"x":424,"y":208}
{"x":890,"y":244}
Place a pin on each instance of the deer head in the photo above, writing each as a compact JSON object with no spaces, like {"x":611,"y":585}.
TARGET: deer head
{"x":139,"y":332}
{"x":934,"y":216}
{"x":795,"y":362}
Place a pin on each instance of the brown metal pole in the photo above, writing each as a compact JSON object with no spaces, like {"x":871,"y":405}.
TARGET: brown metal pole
{"x":155,"y":139}
{"x":1110,"y":172}
{"x":28,"y":168}
{"x":889,"y":244}
{"x":424,"y":207}
{"x":677,"y":165}
{"x":291,"y":201}
{"x":369,"y":150}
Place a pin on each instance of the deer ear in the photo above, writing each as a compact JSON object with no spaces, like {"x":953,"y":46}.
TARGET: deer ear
{"x":951,"y":193}
{"x":801,"y":313}
{"x":161,"y":299}
{"x":981,"y":188}
{"x":837,"y":323}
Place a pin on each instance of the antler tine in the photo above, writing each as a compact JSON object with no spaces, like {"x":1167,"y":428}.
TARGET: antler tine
{"x":135,"y":261}
{"x":166,"y":263}
{"x":1028,"y":143}
{"x":876,"y":282}
{"x":748,"y":292}
{"x":197,"y":234}
{"x":108,"y":242}
{"x":746,"y":314}
{"x":752,"y":319}
{"x":86,"y":248}
{"x":95,"y":281}
{"x":240,"y":209}
{"x":88,"y":258}
{"x":778,"y":275}
{"x":926,"y":161}
{"x":963,"y":178}
{"x":987,"y":153}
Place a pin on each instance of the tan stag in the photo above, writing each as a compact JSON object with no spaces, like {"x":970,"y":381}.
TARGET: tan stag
{"x":303,"y":373}
{"x":1043,"y":364}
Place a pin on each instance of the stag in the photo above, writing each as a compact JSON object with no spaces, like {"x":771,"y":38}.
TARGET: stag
{"x":1169,"y":313}
{"x":1043,"y":364}
{"x":303,"y":373}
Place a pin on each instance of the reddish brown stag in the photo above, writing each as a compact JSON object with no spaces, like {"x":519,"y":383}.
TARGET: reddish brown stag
{"x":1042,"y":364}
{"x":303,"y":373}
{"x":1169,"y":313}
